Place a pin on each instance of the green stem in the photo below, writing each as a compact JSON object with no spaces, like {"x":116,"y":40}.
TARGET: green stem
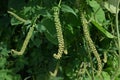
{"x":27,"y":39}
{"x":89,"y":75}
{"x":54,"y":74}
{"x":116,"y":74}
{"x":91,"y":65}
{"x":17,"y":17}
{"x":59,"y":3}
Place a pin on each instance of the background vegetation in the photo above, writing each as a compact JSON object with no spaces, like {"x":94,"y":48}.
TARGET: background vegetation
{"x":59,"y":40}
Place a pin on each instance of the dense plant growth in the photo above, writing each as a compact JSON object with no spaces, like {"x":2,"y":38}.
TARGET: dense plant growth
{"x":59,"y":40}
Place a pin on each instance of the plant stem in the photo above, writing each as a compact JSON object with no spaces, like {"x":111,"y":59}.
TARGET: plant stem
{"x":91,"y":66}
{"x":59,"y":3}
{"x":27,"y":39}
{"x":54,"y":74}
{"x":117,"y":27}
{"x":118,"y":39}
{"x":17,"y":17}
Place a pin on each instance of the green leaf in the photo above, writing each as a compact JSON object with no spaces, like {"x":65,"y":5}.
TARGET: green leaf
{"x":40,"y":27}
{"x":110,"y":5}
{"x":37,"y":42}
{"x":45,"y":13}
{"x":4,"y":75}
{"x":98,"y":14}
{"x":16,"y":4}
{"x":99,"y":27}
{"x":66,"y":8}
{"x":4,"y":52}
{"x":2,"y":62}
{"x":56,"y":78}
{"x":117,"y":79}
{"x":105,"y":75}
{"x":50,"y":32}
{"x":14,"y":21}
{"x":52,"y":38}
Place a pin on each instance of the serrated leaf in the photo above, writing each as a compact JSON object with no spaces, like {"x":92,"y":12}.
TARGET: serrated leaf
{"x":66,"y":8}
{"x":99,"y":27}
{"x":117,"y":79}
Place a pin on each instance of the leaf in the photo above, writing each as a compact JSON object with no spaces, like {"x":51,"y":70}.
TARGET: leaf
{"x":117,"y":79}
{"x":56,"y":78}
{"x":15,"y":22}
{"x":40,"y":27}
{"x":2,"y":62}
{"x":45,"y":13}
{"x":37,"y":42}
{"x":4,"y":75}
{"x":50,"y":32}
{"x":110,"y":5}
{"x":105,"y":75}
{"x":99,"y":15}
{"x":51,"y":38}
{"x":4,"y":52}
{"x":99,"y":27}
{"x":66,"y":8}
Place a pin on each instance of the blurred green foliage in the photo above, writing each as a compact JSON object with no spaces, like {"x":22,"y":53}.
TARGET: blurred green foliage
{"x":38,"y":60}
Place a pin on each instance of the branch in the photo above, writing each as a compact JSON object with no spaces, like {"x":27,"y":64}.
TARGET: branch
{"x":27,"y":39}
